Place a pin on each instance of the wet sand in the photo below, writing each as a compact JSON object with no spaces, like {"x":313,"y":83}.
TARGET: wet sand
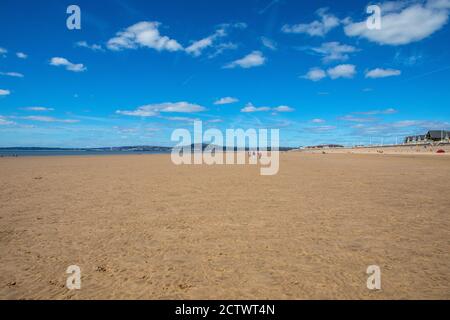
{"x":140,"y":227}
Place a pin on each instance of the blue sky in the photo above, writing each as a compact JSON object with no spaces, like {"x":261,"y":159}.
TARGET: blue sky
{"x":137,"y":70}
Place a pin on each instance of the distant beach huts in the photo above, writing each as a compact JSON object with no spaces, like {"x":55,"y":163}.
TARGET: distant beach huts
{"x":431,"y":136}
{"x":325,"y":146}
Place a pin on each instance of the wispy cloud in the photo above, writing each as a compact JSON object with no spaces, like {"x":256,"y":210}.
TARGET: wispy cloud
{"x":283,"y":109}
{"x":373,"y":112}
{"x":251,"y":108}
{"x":320,"y":129}
{"x":198,"y":46}
{"x":399,"y":128}
{"x":38,"y":109}
{"x":152,"y":110}
{"x":269,"y":5}
{"x":182,"y":119}
{"x":409,"y":60}
{"x":214,"y":121}
{"x":4,"y":92}
{"x":221,"y":47}
{"x":254,"y":59}
{"x":351,"y":118}
{"x":269,"y":43}
{"x":334,"y":51}
{"x":48,"y":119}
{"x":382,"y":73}
{"x":316,"y":28}
{"x":58,"y":61}
{"x":5,"y":122}
{"x":226,"y":100}
{"x":93,"y":47}
{"x":21,"y":55}
{"x":12,"y":74}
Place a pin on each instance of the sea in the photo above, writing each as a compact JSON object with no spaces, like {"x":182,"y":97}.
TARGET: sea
{"x":48,"y":153}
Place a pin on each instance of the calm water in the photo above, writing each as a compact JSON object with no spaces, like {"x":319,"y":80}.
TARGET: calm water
{"x":47,"y":153}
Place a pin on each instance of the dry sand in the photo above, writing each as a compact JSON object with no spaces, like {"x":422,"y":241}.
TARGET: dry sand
{"x":140,"y":227}
{"x":399,"y":149}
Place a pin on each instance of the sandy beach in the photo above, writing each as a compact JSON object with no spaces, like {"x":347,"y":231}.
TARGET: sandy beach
{"x":140,"y":227}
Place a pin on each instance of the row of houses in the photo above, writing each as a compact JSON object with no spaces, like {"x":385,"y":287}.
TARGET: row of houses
{"x":430,"y":136}
{"x":325,"y":146}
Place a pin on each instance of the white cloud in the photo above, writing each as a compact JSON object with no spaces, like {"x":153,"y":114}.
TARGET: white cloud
{"x":320,"y":129}
{"x":339,"y":71}
{"x":198,"y":46}
{"x":251,"y":108}
{"x":225,"y":100}
{"x":21,"y":55}
{"x":214,"y":121}
{"x":269,"y":43}
{"x":152,"y":110}
{"x":372,"y":112}
{"x":254,"y":59}
{"x":401,"y":128}
{"x":237,"y":25}
{"x":182,"y":119}
{"x":314,"y":74}
{"x":58,"y":61}
{"x":38,"y":109}
{"x":404,"y":22}
{"x":49,"y":119}
{"x":317,"y":121}
{"x":4,"y":122}
{"x":382,"y":73}
{"x":334,"y":51}
{"x":143,"y":34}
{"x":221,"y":47}
{"x":408,"y":60}
{"x":3,"y":51}
{"x":93,"y":47}
{"x":342,"y":71}
{"x":356,"y":119}
{"x":4,"y":92}
{"x":283,"y":109}
{"x":12,"y":74}
{"x":315,"y":28}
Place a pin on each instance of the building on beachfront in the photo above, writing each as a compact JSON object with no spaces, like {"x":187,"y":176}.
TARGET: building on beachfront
{"x":431,"y":136}
{"x":325,"y":146}
{"x":416,"y":139}
{"x":438,"y":135}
